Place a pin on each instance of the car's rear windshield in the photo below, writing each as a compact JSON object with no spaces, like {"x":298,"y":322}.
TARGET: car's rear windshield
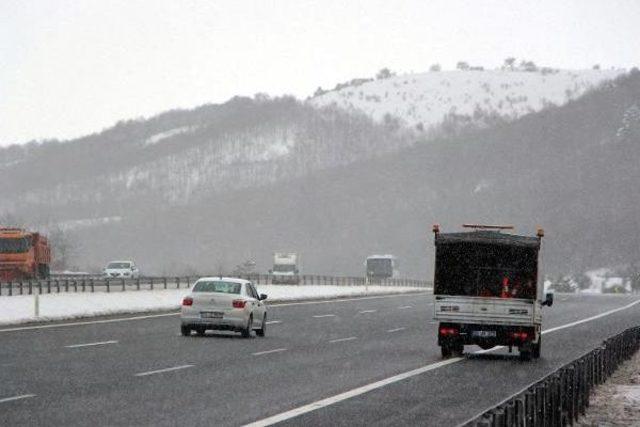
{"x":119,"y":265}
{"x":218,"y":286}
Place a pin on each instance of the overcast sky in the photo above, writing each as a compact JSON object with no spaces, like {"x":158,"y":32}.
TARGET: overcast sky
{"x":69,"y":68}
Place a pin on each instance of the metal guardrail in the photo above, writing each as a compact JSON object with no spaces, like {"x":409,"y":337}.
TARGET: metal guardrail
{"x":562,"y":396}
{"x":85,"y":283}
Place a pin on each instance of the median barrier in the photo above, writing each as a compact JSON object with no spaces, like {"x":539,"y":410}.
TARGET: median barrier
{"x":561,"y":397}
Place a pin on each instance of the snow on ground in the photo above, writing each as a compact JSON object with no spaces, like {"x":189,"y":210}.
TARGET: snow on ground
{"x":603,"y":278}
{"x":424,"y":99}
{"x":154,"y":139}
{"x":21,"y":309}
{"x":88,"y":222}
{"x":617,"y":401}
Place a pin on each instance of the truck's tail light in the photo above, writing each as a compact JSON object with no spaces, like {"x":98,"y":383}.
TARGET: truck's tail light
{"x":522,"y":336}
{"x":188,"y":301}
{"x":447,"y":331}
{"x":239,"y":303}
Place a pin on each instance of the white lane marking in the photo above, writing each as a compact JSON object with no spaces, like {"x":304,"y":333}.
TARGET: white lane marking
{"x":406,"y":294}
{"x":92,"y":322}
{"x":379,"y":384}
{"x":343,"y":339}
{"x":277,"y":350}
{"x":151,"y":316}
{"x":349,"y":394}
{"x":396,"y":329}
{"x":404,"y":307}
{"x":367,"y":311}
{"x":319,"y":316}
{"x":159,"y":371}
{"x":11,"y":399}
{"x":91,"y":344}
{"x":589,"y":319}
{"x":273,"y":322}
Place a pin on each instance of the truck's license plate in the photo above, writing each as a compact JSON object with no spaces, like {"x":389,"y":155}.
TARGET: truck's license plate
{"x":484,"y":334}
{"x":211,"y":314}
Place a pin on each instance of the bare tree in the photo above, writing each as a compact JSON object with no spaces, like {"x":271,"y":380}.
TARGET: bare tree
{"x":509,"y":63}
{"x":8,"y":219}
{"x":462,"y":65}
{"x":63,"y":248}
{"x":384,"y":73}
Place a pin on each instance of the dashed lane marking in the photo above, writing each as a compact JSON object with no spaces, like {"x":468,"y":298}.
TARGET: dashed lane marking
{"x":91,"y":344}
{"x":160,"y":371}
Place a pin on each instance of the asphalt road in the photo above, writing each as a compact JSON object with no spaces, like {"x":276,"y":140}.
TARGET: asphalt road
{"x":141,"y":372}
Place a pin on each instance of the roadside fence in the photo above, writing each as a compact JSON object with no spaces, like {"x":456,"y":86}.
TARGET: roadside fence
{"x":97,"y":283}
{"x":562,"y":396}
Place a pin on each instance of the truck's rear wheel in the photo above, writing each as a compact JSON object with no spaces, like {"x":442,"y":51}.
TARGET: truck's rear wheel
{"x":536,"y":348}
{"x":525,"y":352}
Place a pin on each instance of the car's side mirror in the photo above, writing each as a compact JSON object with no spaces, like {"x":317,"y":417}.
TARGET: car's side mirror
{"x":263,"y":297}
{"x":548,"y":299}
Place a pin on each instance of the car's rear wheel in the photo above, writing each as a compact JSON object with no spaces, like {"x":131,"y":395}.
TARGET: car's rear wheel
{"x":246,"y":332}
{"x":185,"y":331}
{"x":457,"y":350}
{"x":262,"y":331}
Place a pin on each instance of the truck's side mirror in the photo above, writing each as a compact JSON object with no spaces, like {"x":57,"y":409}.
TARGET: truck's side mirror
{"x":263,"y":297}
{"x":548,"y":299}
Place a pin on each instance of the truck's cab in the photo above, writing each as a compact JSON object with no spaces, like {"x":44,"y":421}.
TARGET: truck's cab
{"x":286,"y":268}
{"x":486,"y":290}
{"x":23,"y":255}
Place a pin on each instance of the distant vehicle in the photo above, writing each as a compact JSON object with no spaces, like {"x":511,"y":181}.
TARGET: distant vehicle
{"x":121,"y":269}
{"x":23,"y":255}
{"x":487,"y":291}
{"x":286,"y":268}
{"x":224,"y":303}
{"x":381,"y":267}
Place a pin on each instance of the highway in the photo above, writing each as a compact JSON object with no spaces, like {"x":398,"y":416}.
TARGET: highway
{"x":360,"y":361}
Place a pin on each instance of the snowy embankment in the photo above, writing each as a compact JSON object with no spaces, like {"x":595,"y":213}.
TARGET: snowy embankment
{"x":30,"y":308}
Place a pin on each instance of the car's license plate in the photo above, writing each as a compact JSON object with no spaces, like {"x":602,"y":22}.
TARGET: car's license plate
{"x":211,"y":314}
{"x":484,"y":334}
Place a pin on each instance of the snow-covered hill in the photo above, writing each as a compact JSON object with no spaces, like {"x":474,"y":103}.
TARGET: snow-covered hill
{"x":184,"y":156}
{"x":427,"y":100}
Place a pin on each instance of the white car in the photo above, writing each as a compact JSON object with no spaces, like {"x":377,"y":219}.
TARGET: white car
{"x":224,"y":303}
{"x":121,"y":269}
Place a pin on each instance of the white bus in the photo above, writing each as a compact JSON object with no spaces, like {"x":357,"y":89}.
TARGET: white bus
{"x":381,"y":267}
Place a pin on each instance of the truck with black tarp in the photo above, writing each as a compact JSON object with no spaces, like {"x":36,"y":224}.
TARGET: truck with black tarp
{"x":487,"y":290}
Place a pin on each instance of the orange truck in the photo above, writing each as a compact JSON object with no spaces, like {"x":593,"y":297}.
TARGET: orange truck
{"x":23,"y":255}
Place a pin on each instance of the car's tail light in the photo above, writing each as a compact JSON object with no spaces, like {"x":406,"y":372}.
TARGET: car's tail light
{"x":187,"y":301}
{"x":520,"y":336}
{"x":239,"y":303}
{"x":448,"y":331}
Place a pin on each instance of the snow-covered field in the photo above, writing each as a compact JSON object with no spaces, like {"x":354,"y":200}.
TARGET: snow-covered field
{"x":21,"y":309}
{"x":424,"y":99}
